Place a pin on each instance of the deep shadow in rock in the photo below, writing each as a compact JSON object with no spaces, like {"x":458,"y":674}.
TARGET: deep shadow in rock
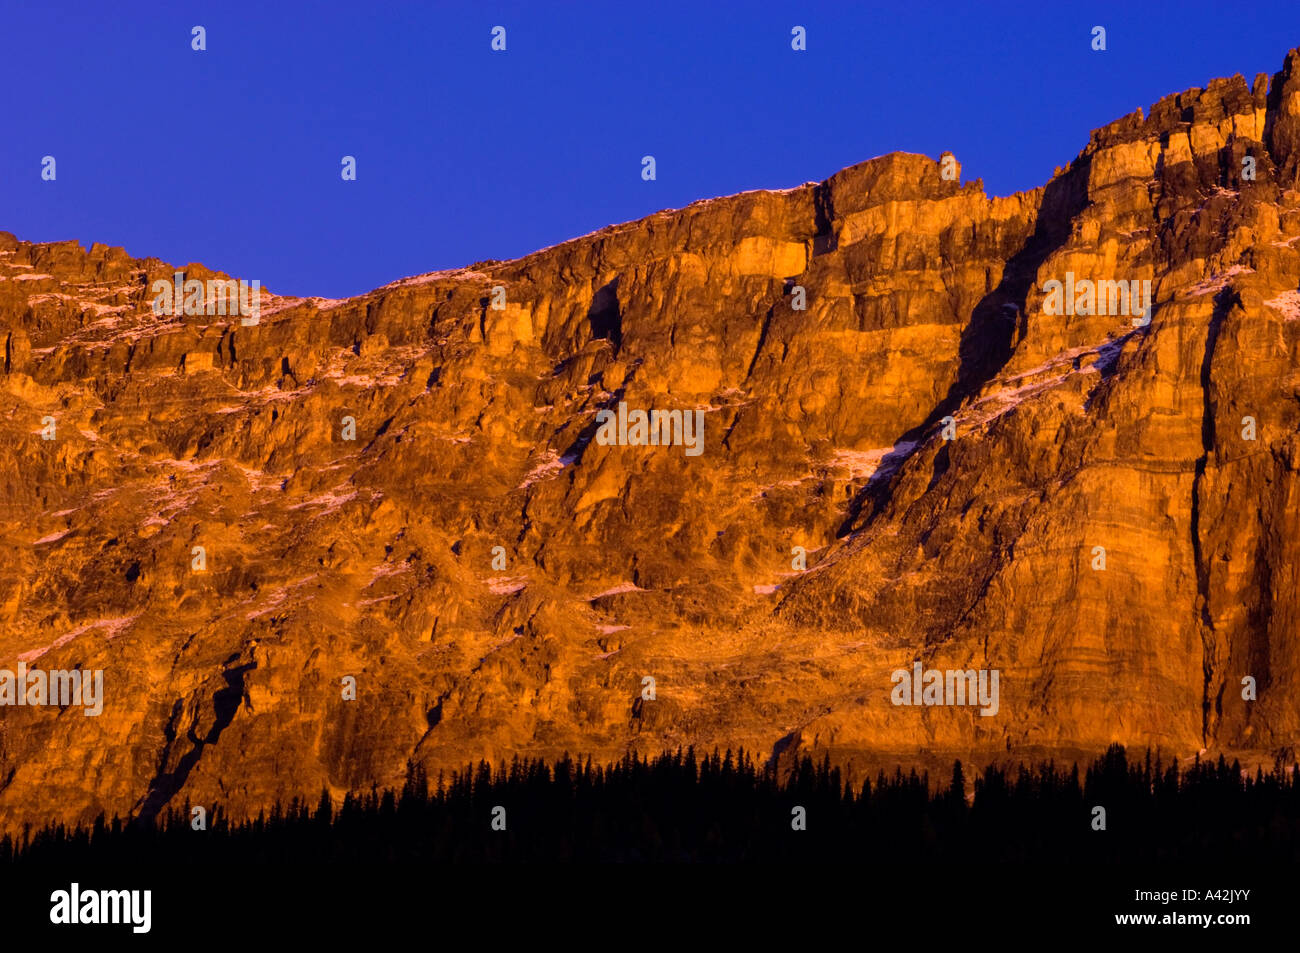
{"x":990,"y":335}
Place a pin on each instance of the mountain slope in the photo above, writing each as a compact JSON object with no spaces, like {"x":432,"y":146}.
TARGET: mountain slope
{"x":823,"y":429}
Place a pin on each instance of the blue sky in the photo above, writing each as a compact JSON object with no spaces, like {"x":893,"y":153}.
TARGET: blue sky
{"x":231,"y":156}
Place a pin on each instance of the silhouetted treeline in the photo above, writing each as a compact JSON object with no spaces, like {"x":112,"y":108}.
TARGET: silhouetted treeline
{"x":725,"y":808}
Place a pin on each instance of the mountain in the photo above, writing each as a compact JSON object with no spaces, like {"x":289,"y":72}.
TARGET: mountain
{"x":956,"y":448}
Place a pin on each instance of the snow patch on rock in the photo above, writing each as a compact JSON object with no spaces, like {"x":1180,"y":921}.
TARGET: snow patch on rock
{"x":1288,"y":302}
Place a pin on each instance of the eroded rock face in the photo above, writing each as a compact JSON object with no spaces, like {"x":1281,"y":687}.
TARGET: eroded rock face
{"x":824,"y":429}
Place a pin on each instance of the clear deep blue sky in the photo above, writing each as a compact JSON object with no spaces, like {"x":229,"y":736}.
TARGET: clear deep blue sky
{"x":231,"y":157}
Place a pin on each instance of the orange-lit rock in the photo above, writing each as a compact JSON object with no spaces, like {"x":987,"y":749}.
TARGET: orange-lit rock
{"x":374,"y":557}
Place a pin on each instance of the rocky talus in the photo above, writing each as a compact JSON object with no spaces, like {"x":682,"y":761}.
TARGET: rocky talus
{"x":497,"y":581}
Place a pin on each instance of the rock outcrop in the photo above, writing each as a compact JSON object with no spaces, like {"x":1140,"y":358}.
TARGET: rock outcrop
{"x":498,"y":581}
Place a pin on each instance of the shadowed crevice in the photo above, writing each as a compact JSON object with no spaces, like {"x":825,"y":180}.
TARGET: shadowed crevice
{"x":996,"y":324}
{"x":1224,"y":302}
{"x":605,"y":316}
{"x":225,"y":703}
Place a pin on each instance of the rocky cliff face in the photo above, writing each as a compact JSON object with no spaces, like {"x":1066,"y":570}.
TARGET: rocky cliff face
{"x":948,"y":454}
